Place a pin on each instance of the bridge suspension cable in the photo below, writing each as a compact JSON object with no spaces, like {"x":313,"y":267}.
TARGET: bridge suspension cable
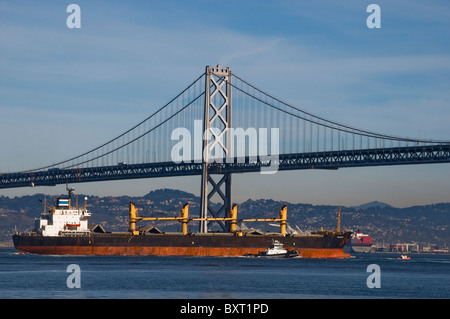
{"x":157,"y":119}
{"x":320,"y":120}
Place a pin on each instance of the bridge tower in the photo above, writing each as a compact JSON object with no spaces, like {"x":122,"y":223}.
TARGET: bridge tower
{"x":217,"y":144}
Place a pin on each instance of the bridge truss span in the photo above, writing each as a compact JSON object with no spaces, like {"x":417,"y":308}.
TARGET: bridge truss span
{"x":430,"y":154}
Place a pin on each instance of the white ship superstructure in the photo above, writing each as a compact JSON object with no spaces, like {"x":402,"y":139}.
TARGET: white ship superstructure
{"x":62,"y":219}
{"x":276,"y":249}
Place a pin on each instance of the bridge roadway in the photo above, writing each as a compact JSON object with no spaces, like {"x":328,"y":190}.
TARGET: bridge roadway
{"x":427,"y":154}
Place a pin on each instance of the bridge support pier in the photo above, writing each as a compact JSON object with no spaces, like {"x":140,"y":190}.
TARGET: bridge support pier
{"x":216,"y":144}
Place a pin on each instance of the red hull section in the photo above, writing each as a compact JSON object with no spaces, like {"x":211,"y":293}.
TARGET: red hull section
{"x":175,"y":251}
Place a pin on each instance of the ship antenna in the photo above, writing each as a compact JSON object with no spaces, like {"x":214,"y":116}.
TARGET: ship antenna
{"x":70,"y":190}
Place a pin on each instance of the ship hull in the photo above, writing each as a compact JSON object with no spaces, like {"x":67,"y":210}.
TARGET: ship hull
{"x":360,"y":248}
{"x":328,"y":245}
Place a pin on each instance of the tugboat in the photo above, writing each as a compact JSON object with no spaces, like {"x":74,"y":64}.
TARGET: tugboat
{"x":276,"y":251}
{"x":404,"y":257}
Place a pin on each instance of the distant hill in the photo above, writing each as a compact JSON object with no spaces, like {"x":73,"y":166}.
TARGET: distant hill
{"x":386,"y":224}
{"x":371,"y":205}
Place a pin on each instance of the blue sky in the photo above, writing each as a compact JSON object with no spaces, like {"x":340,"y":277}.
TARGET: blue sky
{"x":64,"y":91}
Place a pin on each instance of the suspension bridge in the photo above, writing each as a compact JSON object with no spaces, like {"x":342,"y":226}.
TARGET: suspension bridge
{"x":221,"y":124}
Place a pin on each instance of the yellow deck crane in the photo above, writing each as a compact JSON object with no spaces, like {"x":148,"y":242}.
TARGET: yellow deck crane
{"x":184,"y":219}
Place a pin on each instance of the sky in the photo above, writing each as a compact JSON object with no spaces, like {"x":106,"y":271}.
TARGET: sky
{"x":64,"y":91}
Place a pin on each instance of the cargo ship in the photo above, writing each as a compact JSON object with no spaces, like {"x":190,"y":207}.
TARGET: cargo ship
{"x":359,"y":243}
{"x":64,"y":230}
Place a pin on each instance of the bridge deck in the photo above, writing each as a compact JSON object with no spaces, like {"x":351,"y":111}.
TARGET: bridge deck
{"x":427,"y":154}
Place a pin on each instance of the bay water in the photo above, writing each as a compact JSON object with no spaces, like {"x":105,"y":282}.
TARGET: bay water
{"x":28,"y":276}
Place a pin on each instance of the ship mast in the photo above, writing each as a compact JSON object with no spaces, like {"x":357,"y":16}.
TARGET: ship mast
{"x":70,"y":191}
{"x":338,"y":226}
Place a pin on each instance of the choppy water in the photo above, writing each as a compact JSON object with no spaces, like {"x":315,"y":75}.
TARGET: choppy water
{"x":104,"y":277}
